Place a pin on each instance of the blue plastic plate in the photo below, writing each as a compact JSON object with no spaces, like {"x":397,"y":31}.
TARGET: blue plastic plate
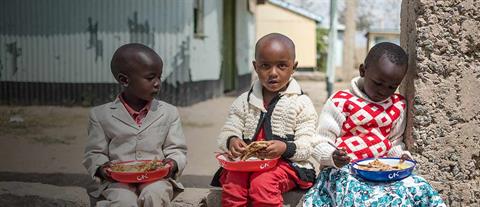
{"x":383,"y":176}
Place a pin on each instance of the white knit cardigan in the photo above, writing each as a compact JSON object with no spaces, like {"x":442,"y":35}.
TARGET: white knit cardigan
{"x":294,"y":114}
{"x":330,"y":128}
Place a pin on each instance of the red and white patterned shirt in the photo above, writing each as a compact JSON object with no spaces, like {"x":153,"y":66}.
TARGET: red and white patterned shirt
{"x":366,"y":129}
{"x":367,"y":126}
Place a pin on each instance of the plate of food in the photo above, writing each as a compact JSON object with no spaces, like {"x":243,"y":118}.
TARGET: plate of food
{"x":138,"y":171}
{"x":383,"y":169}
{"x":250,"y":161}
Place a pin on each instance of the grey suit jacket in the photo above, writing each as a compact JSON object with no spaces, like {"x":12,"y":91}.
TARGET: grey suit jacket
{"x":113,"y":135}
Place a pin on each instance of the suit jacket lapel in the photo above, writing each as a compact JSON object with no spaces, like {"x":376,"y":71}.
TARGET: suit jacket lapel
{"x":153,"y":115}
{"x":119,"y":112}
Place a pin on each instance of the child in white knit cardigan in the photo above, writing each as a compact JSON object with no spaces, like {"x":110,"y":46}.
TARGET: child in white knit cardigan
{"x":277,"y":111}
{"x":367,"y":121}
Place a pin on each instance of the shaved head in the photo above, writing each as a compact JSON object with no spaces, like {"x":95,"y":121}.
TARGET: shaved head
{"x":393,"y":52}
{"x":132,"y":56}
{"x":274,"y":63}
{"x":275,"y":38}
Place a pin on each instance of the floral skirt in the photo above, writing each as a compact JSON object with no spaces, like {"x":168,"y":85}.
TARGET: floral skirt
{"x":337,"y":187}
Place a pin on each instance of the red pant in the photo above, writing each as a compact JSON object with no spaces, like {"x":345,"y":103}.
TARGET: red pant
{"x":263,"y":188}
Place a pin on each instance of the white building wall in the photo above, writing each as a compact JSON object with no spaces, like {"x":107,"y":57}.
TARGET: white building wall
{"x":206,"y":52}
{"x":245,"y":38}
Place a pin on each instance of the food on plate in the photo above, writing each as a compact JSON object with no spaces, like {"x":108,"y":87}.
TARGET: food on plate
{"x":377,"y":165}
{"x":137,"y":166}
{"x":252,"y":150}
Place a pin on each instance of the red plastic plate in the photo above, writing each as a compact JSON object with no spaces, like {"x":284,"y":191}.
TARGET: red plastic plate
{"x":246,"y":166}
{"x":139,"y":177}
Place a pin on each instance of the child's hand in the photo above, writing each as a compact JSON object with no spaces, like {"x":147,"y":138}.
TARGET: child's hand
{"x":275,"y":149}
{"x":236,"y":147}
{"x":173,"y":167}
{"x":406,"y":157}
{"x":340,"y":158}
{"x":103,"y":173}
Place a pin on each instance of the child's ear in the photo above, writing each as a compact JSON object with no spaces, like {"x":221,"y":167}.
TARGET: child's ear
{"x":361,"y":69}
{"x":295,"y":66}
{"x":123,"y":79}
{"x":254,"y":65}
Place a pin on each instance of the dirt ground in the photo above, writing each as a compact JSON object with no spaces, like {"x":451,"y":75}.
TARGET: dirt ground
{"x":51,"y":139}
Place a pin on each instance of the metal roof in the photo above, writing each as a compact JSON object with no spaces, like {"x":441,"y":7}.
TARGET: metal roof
{"x":297,"y":10}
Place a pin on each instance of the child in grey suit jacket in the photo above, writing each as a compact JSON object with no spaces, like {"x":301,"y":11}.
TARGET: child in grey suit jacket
{"x":135,"y":126}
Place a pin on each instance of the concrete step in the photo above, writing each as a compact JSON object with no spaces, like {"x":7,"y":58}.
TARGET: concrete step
{"x":38,"y":194}
{"x":211,"y":197}
{"x":191,"y":197}
{"x":13,"y":193}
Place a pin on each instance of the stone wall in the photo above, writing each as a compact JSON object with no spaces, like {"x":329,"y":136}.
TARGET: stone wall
{"x":442,"y":86}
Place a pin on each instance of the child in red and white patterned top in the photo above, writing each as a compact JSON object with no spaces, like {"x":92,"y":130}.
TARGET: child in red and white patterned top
{"x":367,"y":120}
